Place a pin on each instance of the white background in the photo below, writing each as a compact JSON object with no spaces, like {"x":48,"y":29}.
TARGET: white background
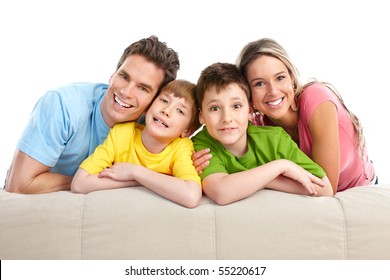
{"x":45,"y":44}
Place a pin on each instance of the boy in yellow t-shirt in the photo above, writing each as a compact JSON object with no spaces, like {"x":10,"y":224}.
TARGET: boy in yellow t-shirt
{"x":157,"y":155}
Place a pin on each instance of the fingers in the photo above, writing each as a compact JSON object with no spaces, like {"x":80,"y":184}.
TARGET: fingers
{"x":316,"y":180}
{"x":201,"y":159}
{"x":106,"y":173}
{"x":308,"y":185}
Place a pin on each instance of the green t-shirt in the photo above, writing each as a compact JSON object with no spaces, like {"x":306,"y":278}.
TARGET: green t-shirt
{"x":265,"y":144}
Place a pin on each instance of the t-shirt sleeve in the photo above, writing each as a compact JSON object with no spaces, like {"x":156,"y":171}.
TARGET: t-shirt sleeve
{"x":288,"y":149}
{"x":103,"y":156}
{"x":183,"y":166}
{"x":312,"y":96}
{"x":47,"y":131}
{"x":203,"y":140}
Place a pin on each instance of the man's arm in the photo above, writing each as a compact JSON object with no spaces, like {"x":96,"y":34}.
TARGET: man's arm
{"x":28,"y":176}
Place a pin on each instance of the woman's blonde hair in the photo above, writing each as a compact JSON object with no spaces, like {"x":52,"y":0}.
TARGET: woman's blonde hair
{"x":270,"y":47}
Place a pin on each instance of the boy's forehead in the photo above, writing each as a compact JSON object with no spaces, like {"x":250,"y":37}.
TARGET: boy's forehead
{"x":173,"y":95}
{"x":229,"y":91}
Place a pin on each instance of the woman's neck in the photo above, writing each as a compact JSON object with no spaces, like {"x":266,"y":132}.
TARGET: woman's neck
{"x":289,"y":122}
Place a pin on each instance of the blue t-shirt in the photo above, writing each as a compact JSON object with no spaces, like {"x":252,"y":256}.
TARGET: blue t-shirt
{"x":65,"y":127}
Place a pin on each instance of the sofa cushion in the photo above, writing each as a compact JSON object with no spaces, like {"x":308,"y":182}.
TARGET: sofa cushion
{"x":135,"y":223}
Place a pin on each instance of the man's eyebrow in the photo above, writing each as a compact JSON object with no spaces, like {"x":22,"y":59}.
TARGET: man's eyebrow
{"x":148,"y":86}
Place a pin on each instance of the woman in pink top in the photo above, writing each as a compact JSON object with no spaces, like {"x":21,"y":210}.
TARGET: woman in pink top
{"x":314,"y":114}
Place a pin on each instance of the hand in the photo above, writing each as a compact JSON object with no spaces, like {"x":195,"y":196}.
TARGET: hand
{"x":305,"y":178}
{"x":201,"y":159}
{"x":119,"y":171}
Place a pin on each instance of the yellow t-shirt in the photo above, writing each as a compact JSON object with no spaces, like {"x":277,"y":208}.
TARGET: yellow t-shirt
{"x":124,"y":144}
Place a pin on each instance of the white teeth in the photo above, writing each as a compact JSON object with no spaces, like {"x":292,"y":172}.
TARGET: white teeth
{"x":276,"y":102}
{"x":121,"y":103}
{"x":160,"y":122}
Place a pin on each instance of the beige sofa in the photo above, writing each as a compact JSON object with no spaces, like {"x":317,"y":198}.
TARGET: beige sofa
{"x":135,"y":223}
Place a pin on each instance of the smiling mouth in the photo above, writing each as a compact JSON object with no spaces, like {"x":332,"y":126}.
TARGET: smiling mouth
{"x":276,"y":102}
{"x":227,"y":129}
{"x":121,"y":103}
{"x":158,"y":121}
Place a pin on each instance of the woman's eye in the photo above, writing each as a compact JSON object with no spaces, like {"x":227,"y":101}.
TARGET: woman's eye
{"x":259,"y":84}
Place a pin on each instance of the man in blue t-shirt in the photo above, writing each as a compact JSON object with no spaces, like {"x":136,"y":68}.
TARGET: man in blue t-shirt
{"x":68,"y":123}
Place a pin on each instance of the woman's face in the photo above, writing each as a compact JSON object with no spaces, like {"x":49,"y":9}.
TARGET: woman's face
{"x":271,"y":86}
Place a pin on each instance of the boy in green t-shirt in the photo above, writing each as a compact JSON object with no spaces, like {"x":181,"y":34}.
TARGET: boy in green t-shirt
{"x":246,"y":158}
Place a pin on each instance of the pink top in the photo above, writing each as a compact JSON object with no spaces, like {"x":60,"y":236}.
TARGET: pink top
{"x":355,"y":169}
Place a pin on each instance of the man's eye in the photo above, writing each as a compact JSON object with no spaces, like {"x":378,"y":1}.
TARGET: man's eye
{"x":124,"y":76}
{"x":141,"y":88}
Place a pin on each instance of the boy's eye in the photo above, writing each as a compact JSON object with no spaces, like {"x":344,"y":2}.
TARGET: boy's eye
{"x":214,"y":108}
{"x":163,"y":100}
{"x":237,"y":106}
{"x":180,"y":111}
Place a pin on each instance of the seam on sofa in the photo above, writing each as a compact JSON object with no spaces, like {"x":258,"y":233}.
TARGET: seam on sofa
{"x":82,"y":226}
{"x":214,"y":229}
{"x":344,"y":221}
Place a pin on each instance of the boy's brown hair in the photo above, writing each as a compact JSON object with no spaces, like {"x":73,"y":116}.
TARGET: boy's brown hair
{"x":220,"y":75}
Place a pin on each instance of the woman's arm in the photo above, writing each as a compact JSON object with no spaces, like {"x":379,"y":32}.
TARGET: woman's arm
{"x":227,"y":188}
{"x":323,"y":127}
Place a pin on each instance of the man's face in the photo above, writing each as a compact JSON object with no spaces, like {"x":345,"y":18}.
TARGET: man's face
{"x":132,"y":88}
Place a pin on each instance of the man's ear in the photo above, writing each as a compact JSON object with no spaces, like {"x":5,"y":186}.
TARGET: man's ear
{"x":109,"y":81}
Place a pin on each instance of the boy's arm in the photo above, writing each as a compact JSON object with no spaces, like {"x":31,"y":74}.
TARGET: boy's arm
{"x":285,"y":184}
{"x":83,"y":182}
{"x":226,"y":188}
{"x":184,"y":192}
